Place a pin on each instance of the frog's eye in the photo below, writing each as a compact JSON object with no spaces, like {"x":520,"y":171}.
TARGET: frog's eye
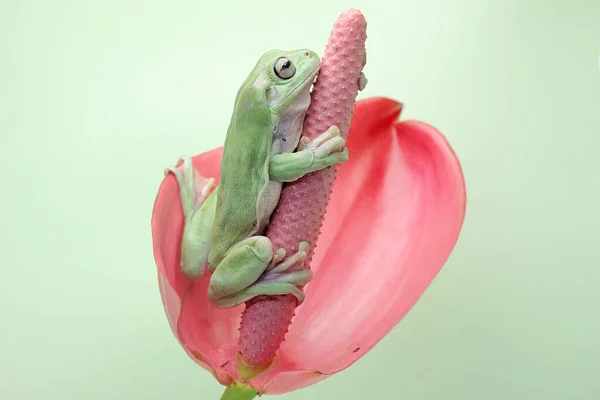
{"x":284,"y":68}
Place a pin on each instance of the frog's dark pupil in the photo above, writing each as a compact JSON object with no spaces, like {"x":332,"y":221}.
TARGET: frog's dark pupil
{"x":286,"y":64}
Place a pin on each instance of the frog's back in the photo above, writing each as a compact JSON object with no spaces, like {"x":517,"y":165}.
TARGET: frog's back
{"x":244,"y":173}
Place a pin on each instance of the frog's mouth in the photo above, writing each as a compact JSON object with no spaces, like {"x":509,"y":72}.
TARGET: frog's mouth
{"x":307,"y":85}
{"x":312,"y":78}
{"x":303,"y":86}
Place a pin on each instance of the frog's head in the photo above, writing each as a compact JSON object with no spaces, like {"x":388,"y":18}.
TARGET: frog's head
{"x":291,"y":75}
{"x":283,"y":80}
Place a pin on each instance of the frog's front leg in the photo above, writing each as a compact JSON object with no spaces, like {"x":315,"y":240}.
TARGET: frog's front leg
{"x":251,"y":268}
{"x":325,"y":150}
{"x":198,"y":197}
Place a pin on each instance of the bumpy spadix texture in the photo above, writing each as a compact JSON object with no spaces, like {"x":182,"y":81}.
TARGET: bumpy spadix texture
{"x":301,"y":209}
{"x":392,"y":220}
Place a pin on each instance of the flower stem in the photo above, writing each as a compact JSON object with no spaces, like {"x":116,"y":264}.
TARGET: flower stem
{"x":238,"y":391}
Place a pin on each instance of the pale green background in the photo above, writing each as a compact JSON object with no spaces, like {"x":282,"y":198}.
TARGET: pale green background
{"x":97,"y":97}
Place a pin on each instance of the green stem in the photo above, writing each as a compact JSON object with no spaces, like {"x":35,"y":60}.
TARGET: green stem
{"x":238,"y":391}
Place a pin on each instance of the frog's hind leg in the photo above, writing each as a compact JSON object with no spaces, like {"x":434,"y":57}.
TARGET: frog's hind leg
{"x":198,"y":200}
{"x":251,"y":269}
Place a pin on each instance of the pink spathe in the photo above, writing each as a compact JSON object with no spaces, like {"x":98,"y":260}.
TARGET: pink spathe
{"x":394,"y":216}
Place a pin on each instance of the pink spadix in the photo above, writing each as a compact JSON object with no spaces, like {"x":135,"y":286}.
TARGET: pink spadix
{"x":301,"y":209}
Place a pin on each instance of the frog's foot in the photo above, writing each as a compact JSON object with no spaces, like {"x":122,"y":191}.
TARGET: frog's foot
{"x":286,"y":275}
{"x":278,"y":276}
{"x":280,"y":265}
{"x":198,"y":200}
{"x":327,"y":149}
{"x":193,"y":187}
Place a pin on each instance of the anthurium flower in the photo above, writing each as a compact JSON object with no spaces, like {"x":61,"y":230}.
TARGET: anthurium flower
{"x":393,"y":218}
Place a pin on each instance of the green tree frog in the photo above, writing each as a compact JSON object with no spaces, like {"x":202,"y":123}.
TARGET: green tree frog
{"x":224,"y":224}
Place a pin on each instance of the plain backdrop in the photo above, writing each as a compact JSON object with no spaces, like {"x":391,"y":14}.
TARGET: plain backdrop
{"x":97,"y":97}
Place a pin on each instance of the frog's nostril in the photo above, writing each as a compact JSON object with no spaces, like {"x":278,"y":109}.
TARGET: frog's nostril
{"x":307,"y":53}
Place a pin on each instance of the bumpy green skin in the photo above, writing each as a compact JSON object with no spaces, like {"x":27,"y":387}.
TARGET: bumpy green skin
{"x":223,"y":225}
